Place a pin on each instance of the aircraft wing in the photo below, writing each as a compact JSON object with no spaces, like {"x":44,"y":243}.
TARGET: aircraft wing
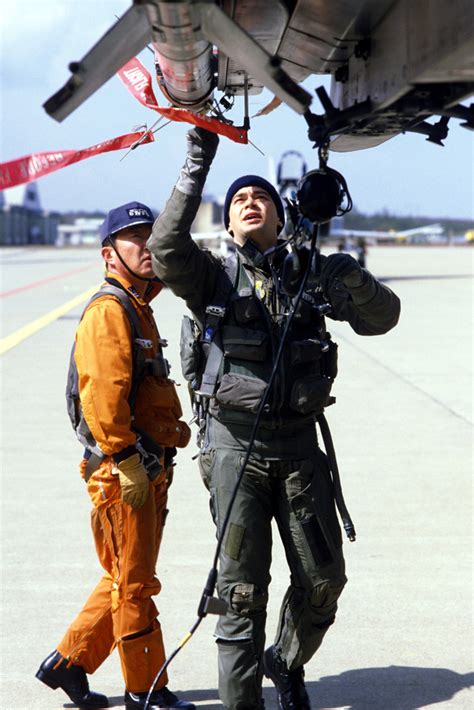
{"x":394,"y":63}
{"x":123,"y":41}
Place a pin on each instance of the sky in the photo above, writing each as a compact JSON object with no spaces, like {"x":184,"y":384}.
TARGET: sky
{"x":406,"y":175}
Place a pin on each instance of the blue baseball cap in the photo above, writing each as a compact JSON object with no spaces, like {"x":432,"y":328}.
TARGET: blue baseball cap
{"x":125,"y":216}
{"x":254,"y":181}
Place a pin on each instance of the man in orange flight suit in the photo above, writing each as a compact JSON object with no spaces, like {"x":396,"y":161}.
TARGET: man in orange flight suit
{"x":129,"y":509}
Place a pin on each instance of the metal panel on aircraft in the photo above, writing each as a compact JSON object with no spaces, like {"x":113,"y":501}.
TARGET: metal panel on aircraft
{"x":322,"y":35}
{"x":440,"y":41}
{"x":266,"y":22}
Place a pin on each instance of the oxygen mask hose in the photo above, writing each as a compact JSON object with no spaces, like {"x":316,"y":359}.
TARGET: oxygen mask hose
{"x":208,"y":603}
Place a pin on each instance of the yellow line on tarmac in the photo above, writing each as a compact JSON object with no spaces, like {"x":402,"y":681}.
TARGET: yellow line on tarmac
{"x":10,"y":341}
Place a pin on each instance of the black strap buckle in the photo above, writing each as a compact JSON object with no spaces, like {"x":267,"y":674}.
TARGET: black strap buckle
{"x":217,"y":311}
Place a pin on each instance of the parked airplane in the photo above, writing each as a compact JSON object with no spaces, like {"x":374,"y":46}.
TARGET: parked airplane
{"x":426,"y":233}
{"x":220,"y":242}
{"x":291,"y":170}
{"x":394,"y":63}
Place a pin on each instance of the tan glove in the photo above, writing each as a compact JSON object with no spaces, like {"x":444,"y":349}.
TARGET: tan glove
{"x":133,"y":481}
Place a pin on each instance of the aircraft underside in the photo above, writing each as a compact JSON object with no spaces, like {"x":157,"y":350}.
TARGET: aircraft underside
{"x":394,"y":63}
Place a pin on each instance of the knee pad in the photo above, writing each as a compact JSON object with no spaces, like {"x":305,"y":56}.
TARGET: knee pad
{"x":247,"y":599}
{"x":324,"y":598}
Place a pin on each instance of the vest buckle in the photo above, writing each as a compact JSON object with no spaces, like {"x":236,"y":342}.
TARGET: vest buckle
{"x":217,"y":311}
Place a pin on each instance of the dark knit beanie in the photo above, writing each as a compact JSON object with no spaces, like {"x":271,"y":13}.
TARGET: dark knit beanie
{"x":254,"y":181}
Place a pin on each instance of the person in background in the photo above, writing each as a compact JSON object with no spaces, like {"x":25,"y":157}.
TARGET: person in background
{"x":361,"y":251}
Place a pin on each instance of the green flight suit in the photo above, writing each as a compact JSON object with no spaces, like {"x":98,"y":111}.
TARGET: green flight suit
{"x":287,"y":476}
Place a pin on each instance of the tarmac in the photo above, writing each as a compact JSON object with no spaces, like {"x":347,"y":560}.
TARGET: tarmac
{"x":402,"y":427}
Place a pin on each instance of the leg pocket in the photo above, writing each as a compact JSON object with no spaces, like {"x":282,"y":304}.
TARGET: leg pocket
{"x":315,"y":513}
{"x":323,"y":497}
{"x":311,"y":528}
{"x":107,"y":528}
{"x":141,"y":657}
{"x":104,"y":491}
{"x":103,"y":486}
{"x":206,"y":463}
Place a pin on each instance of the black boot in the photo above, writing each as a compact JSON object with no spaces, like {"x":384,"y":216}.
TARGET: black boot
{"x":292,"y":694}
{"x":72,"y":680}
{"x":162,"y":698}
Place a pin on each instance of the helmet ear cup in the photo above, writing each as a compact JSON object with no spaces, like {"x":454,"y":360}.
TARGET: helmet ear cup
{"x":320,"y":195}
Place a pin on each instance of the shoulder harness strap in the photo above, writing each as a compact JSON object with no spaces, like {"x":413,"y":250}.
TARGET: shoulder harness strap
{"x":137,"y":336}
{"x":120,"y":293}
{"x":72,"y":391}
{"x":211,"y":334}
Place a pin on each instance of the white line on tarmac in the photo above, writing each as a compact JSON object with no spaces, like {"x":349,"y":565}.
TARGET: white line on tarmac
{"x":11,"y":341}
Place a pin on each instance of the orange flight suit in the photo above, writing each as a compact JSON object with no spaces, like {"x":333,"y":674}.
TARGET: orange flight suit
{"x":120,"y":611}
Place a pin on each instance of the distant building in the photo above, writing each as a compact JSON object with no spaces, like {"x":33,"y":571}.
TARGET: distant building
{"x":82,"y":231}
{"x":209,"y":215}
{"x":208,"y":228}
{"x":22,"y":220}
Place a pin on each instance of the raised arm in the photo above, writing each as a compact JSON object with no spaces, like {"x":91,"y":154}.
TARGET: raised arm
{"x":190,"y":272}
{"x":370,"y":307}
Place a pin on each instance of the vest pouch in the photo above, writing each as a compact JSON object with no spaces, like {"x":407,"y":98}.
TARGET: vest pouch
{"x":246,"y":306}
{"x":190,"y":351}
{"x":240,"y":392}
{"x":303,"y":351}
{"x":244,"y":343}
{"x":309,"y":395}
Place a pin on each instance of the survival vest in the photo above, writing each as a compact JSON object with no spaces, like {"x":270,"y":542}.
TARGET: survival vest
{"x":227,"y":358}
{"x":236,"y":389}
{"x":142,"y":366}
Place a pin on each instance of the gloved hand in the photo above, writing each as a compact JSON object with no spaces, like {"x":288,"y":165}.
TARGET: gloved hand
{"x":202,"y":146}
{"x":133,"y":481}
{"x":341,"y":266}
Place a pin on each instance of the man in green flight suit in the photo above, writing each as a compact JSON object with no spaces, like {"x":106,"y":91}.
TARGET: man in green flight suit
{"x":287,"y":476}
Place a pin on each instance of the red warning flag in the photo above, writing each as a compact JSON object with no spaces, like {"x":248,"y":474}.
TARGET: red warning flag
{"x":34,"y":166}
{"x":137,"y":79}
